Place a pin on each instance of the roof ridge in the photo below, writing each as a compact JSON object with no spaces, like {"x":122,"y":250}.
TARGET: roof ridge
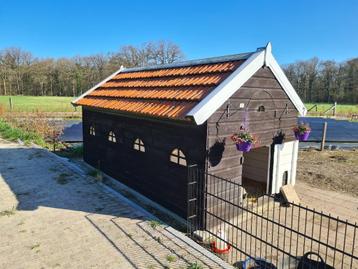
{"x":218,"y":59}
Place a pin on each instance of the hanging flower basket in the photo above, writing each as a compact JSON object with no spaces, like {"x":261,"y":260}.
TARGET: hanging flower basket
{"x":243,"y":140}
{"x":244,"y":146}
{"x":302,"y":132}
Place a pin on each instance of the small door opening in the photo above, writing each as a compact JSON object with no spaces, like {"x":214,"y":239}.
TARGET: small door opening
{"x":255,"y":171}
{"x":285,"y":178}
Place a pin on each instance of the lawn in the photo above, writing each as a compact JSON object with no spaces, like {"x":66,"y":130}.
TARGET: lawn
{"x":346,"y":110}
{"x":63,"y":104}
{"x":38,"y":103}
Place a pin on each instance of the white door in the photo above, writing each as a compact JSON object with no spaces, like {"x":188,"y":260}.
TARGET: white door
{"x":284,"y":165}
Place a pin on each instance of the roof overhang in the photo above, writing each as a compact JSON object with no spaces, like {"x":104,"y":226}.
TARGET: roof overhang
{"x":216,"y":98}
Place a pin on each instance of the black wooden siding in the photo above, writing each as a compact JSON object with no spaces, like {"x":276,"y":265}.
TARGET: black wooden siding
{"x":150,"y":172}
{"x":208,"y":145}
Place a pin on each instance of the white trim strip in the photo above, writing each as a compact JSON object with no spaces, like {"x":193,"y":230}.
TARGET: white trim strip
{"x":215,"y":99}
{"x":286,"y":85}
{"x":263,"y":57}
{"x":96,"y":86}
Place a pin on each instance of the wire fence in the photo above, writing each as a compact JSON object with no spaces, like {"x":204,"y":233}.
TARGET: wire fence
{"x":265,"y":231}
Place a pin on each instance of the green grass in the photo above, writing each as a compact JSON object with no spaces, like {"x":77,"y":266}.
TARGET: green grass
{"x":154,"y":224}
{"x":195,"y":265}
{"x":38,"y":103}
{"x":13,"y":134}
{"x":73,"y":152}
{"x":171,"y":258}
{"x":341,"y":109}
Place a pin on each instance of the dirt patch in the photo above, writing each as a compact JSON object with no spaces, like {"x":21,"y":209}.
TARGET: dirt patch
{"x":334,"y":170}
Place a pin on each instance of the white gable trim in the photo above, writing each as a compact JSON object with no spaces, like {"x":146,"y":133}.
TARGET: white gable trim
{"x":215,"y":99}
{"x":286,"y":85}
{"x":97,"y":85}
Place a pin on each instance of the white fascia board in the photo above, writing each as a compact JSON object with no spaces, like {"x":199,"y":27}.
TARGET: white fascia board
{"x":215,"y":99}
{"x":285,"y":84}
{"x":97,"y":85}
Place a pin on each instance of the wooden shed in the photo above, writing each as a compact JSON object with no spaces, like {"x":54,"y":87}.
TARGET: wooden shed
{"x":144,"y":126}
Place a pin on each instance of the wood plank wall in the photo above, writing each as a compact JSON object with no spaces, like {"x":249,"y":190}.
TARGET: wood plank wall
{"x":256,"y":164}
{"x":280,"y":114}
{"x":151,"y":173}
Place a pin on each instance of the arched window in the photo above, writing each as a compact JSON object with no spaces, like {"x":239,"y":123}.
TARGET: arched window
{"x":92,"y":130}
{"x":112,"y":137}
{"x":139,"y":145}
{"x":178,"y":157}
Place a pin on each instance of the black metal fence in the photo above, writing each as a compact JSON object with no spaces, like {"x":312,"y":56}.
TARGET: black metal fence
{"x":264,"y":230}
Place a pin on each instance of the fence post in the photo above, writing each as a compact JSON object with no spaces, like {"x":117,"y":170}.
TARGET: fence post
{"x":335,"y":109}
{"x":10,"y":103}
{"x":324,"y":132}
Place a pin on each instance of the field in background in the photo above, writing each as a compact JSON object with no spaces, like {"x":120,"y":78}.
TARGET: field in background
{"x":63,"y":104}
{"x":38,"y":104}
{"x":342,"y":110}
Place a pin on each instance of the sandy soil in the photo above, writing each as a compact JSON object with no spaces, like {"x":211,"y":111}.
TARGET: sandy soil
{"x":333,"y":170}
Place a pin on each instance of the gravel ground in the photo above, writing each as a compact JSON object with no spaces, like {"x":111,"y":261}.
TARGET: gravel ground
{"x":332,"y":170}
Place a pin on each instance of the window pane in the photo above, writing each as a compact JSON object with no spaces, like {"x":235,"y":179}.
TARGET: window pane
{"x":181,"y":154}
{"x":173,"y":159}
{"x":182,"y":162}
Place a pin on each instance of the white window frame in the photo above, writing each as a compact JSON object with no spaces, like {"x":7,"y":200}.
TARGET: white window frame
{"x":112,"y":137}
{"x":139,"y":145}
{"x":92,"y":130}
{"x":178,"y":157}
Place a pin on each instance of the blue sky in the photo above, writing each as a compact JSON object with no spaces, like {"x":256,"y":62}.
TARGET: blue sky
{"x":297,"y":29}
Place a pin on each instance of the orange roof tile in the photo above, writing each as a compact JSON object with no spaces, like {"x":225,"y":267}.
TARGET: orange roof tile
{"x":169,"y":92}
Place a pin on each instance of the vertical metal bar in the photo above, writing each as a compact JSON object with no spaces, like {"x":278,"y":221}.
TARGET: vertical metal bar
{"x":298,"y":228}
{"x":251,"y":233}
{"x":344,"y":242}
{"x":237,"y":220}
{"x":291,"y":228}
{"x":247,"y":201}
{"x":329,"y":222}
{"x":261,"y":232}
{"x":305,"y":233}
{"x":241,"y":226}
{"x":267,"y":224}
{"x":313,"y":225}
{"x":272,"y":224}
{"x":284,"y":235}
{"x":232,"y":190}
{"x":353,"y":245}
{"x":278,"y":232}
{"x":335,"y":242}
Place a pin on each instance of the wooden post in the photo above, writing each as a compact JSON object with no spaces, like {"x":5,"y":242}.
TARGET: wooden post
{"x":335,"y":109}
{"x":10,"y":103}
{"x":324,"y":132}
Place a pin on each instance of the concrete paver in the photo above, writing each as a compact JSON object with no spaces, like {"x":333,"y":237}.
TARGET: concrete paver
{"x":51,"y":217}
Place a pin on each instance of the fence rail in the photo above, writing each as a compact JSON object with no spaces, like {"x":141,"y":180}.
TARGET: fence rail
{"x":265,"y":229}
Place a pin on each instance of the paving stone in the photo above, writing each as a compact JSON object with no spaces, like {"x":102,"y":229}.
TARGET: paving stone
{"x":75,"y":224}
